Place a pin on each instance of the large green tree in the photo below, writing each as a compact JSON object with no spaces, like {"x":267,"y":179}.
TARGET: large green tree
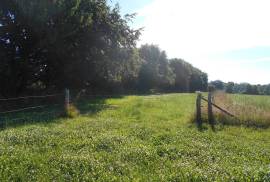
{"x":182,"y":71}
{"x":188,"y":78}
{"x":66,"y":43}
{"x":52,"y":44}
{"x":155,"y":72}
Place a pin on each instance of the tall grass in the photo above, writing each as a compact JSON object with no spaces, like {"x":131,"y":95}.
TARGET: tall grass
{"x":251,"y":111}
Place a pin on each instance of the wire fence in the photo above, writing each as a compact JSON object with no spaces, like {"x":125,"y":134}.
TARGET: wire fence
{"x":30,"y":97}
{"x":233,"y":109}
{"x":29,"y":108}
{"x":23,"y":109}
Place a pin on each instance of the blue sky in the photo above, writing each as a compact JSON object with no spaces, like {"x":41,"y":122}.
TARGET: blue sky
{"x":228,"y":39}
{"x":131,"y":6}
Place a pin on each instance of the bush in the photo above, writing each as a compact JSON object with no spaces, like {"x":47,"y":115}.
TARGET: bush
{"x":72,"y":111}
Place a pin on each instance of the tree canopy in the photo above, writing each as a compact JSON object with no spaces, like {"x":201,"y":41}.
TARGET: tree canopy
{"x":54,"y":44}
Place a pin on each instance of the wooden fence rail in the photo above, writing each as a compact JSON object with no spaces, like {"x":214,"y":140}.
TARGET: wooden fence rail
{"x":223,"y":110}
{"x":210,"y":105}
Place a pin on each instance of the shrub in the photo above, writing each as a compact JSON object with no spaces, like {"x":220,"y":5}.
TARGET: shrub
{"x":72,"y":111}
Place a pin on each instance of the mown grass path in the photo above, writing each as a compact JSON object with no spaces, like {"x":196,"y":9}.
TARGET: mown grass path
{"x":134,"y":138}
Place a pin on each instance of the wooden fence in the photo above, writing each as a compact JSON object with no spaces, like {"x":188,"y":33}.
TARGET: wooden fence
{"x":210,"y":106}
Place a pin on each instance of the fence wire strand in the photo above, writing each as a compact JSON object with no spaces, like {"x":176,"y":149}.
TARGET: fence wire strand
{"x":23,"y":109}
{"x":30,"y":97}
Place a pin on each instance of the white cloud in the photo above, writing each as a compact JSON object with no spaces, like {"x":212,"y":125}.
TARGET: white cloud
{"x":195,"y":29}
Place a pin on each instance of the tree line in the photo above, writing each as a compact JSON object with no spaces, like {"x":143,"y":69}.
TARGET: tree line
{"x":241,"y":88}
{"x":46,"y":46}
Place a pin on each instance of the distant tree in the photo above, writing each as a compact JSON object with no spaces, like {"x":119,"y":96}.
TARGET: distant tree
{"x":198,"y":81}
{"x":230,"y":87}
{"x":211,"y":88}
{"x":240,"y":88}
{"x":155,"y":72}
{"x":182,"y":71}
{"x":188,"y":78}
{"x":249,"y":89}
{"x":262,"y":89}
{"x":166,"y":76}
{"x":255,"y":89}
{"x":252,"y":89}
{"x":218,"y":84}
{"x":246,"y":88}
{"x":267,"y":89}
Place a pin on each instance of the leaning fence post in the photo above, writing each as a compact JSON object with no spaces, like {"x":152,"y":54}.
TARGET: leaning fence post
{"x":198,"y":109}
{"x":67,"y":98}
{"x":210,"y":109}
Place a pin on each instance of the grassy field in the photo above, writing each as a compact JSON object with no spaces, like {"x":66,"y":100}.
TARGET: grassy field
{"x":134,"y":138}
{"x":250,"y":110}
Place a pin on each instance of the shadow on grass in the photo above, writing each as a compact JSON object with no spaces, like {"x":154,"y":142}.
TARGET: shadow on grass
{"x":51,"y":114}
{"x":93,"y":105}
{"x":203,"y":125}
{"x":42,"y":115}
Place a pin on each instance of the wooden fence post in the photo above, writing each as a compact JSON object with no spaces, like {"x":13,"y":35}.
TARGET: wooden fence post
{"x":67,"y":98}
{"x":210,"y":109}
{"x":198,"y":109}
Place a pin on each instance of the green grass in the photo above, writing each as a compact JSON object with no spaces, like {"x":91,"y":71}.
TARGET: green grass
{"x":134,"y":138}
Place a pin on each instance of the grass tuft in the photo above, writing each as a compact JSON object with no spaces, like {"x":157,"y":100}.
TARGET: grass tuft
{"x":72,"y":111}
